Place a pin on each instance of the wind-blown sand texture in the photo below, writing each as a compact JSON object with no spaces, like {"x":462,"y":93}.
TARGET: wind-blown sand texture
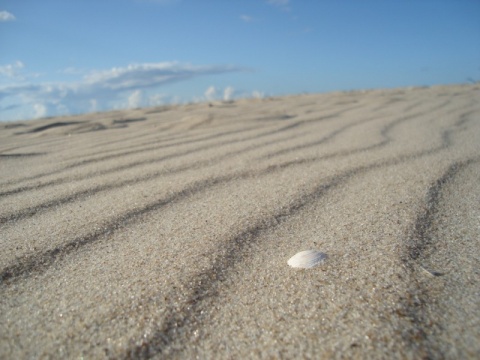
{"x":166,"y":232}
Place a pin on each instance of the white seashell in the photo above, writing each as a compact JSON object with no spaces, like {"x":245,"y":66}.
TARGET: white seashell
{"x":307,"y":259}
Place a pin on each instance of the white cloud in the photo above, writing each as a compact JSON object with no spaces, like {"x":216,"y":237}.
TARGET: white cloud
{"x":12,"y":70}
{"x":135,"y":100}
{"x":6,"y":16}
{"x":210,"y":93}
{"x":228,"y":93}
{"x":157,"y":99}
{"x":40,"y":110}
{"x":258,"y":94}
{"x":108,"y":88}
{"x":150,"y":75}
{"x":16,"y":72}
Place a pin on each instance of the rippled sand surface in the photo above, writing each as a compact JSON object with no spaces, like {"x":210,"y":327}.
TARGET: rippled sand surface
{"x":165,"y":232}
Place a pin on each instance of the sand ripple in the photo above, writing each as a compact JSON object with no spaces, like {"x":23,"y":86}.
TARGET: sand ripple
{"x":165,"y":232}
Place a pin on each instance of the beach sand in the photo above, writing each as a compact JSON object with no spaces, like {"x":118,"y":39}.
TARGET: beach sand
{"x":165,"y":232}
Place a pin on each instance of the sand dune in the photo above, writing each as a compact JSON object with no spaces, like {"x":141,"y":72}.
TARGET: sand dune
{"x":165,"y":232}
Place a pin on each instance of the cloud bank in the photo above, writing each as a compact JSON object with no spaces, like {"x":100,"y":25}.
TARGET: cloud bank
{"x":228,"y":93}
{"x":210,"y":93}
{"x":101,"y":90}
{"x":6,"y":16}
{"x":12,"y":70}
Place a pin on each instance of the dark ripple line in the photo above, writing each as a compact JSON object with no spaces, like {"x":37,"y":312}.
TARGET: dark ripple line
{"x":383,"y":132}
{"x":108,"y":157}
{"x":31,"y":211}
{"x":108,"y":171}
{"x":207,"y":280}
{"x":421,"y":237}
{"x":416,"y":244}
{"x":80,"y":163}
{"x":17,"y":155}
{"x":168,"y":136}
{"x":210,"y":279}
{"x":37,"y":262}
{"x":150,"y":161}
{"x":41,"y":261}
{"x":157,"y":147}
{"x":189,"y":316}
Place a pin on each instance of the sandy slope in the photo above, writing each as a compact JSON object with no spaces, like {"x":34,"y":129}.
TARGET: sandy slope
{"x":166,"y":232}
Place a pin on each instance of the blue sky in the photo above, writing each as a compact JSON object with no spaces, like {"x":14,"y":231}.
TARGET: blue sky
{"x":67,"y":57}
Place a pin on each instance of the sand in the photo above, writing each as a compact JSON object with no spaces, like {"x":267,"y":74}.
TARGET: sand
{"x":165,"y":232}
